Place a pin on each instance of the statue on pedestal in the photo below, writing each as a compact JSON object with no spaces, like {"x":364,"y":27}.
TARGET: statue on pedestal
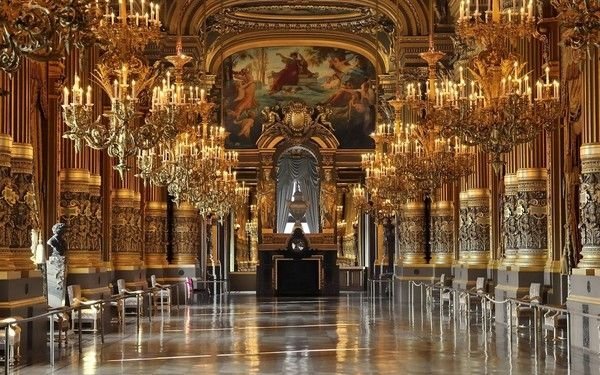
{"x":56,"y":267}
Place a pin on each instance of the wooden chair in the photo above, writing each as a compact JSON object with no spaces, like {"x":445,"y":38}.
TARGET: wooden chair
{"x":89,"y":315}
{"x":521,"y":312}
{"x":475,"y":295}
{"x":161,"y":294}
{"x":130,"y":302}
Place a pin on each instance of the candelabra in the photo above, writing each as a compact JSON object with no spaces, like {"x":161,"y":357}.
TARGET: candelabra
{"x":126,"y":31}
{"x":122,"y":75}
{"x":580,"y":20}
{"x":498,"y":109}
{"x":44,"y":29}
{"x":122,"y":133}
{"x":490,"y":28}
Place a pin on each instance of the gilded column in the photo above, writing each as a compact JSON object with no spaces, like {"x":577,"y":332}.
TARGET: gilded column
{"x":589,"y":192}
{"x":186,"y":235}
{"x":532,"y":217}
{"x":7,"y":191}
{"x":474,"y":215}
{"x":442,"y":227}
{"x":155,"y":230}
{"x":79,"y":181}
{"x":509,"y":223}
{"x":20,"y":194}
{"x":126,"y":225}
{"x":411,"y":236}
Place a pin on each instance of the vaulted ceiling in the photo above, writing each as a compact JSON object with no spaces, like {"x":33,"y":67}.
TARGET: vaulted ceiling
{"x":215,"y":29}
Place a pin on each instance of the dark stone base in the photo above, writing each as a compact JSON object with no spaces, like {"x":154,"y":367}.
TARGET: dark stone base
{"x":33,"y":334}
{"x":465,"y":276}
{"x":242,"y":281}
{"x":177,"y":274}
{"x":427,"y":274}
{"x":264,"y":273}
{"x":514,"y":284}
{"x":584,"y":298}
{"x":93,"y":285}
{"x":135,"y":279}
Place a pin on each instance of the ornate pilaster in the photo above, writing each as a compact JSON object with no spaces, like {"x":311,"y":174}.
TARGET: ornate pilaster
{"x":442,"y":232}
{"x":77,"y":213}
{"x":589,"y":206}
{"x":185,"y":236}
{"x":475,"y":227}
{"x":411,"y":237}
{"x":23,"y":203}
{"x":532,"y":217}
{"x":6,"y":199}
{"x":126,"y":230}
{"x":156,"y":234}
{"x":95,"y":217}
{"x":509,"y":220}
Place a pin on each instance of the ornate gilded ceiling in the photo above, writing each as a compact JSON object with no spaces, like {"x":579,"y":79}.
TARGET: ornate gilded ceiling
{"x":215,"y":29}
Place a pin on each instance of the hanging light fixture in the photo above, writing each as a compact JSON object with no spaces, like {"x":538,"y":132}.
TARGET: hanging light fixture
{"x":420,"y":151}
{"x":123,"y":76}
{"x":501,"y":107}
{"x":45,"y":29}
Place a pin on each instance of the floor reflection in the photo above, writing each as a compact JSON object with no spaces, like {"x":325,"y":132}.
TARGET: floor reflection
{"x":351,"y":334}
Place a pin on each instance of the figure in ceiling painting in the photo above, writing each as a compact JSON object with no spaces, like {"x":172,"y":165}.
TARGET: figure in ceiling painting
{"x":336,"y":80}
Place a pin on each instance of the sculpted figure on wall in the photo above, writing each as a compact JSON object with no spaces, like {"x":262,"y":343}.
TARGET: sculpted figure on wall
{"x":266,"y":200}
{"x":328,"y":196}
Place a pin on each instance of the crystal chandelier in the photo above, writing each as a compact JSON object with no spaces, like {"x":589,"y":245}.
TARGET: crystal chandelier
{"x":500,"y":108}
{"x":123,"y":130}
{"x":44,"y":29}
{"x":581,"y":22}
{"x":420,"y":151}
{"x":386,"y":189}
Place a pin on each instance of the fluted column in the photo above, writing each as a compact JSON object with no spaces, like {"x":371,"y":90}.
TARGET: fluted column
{"x":589,"y":194}
{"x":411,"y":237}
{"x":80,"y":202}
{"x":155,"y":229}
{"x":18,"y":195}
{"x":442,"y":227}
{"x":186,"y":235}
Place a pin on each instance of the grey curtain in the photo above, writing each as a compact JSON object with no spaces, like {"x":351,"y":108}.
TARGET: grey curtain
{"x":306,"y":172}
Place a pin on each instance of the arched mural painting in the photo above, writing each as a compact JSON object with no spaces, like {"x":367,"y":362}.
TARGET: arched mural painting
{"x":337,"y":83}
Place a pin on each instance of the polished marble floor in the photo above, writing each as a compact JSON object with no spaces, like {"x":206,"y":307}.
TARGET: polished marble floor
{"x":352,"y":334}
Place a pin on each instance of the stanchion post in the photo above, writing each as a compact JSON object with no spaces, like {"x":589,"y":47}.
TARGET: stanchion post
{"x":51,"y":339}
{"x":137,"y":315}
{"x":79,"y":327}
{"x":6,"y":350}
{"x":101,"y":307}
{"x":569,"y":340}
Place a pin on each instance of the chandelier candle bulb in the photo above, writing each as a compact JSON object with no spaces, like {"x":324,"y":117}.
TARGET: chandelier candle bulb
{"x":65,"y":96}
{"x":88,"y":96}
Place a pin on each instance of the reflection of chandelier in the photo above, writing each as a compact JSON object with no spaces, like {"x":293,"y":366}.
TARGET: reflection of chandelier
{"x":499,"y":109}
{"x":123,"y":77}
{"x":581,"y":21}
{"x":44,"y":29}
